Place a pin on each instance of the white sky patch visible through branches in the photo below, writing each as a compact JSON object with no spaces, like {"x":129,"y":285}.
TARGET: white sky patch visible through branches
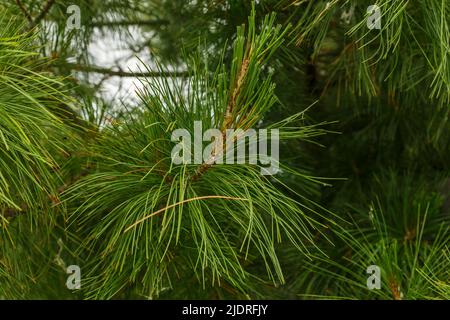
{"x":110,"y":50}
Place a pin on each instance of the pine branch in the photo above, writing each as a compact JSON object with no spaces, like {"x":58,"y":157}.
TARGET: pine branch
{"x":254,"y":50}
{"x":127,"y":189}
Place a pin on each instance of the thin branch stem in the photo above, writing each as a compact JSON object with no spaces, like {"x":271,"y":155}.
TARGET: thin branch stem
{"x":150,"y":23}
{"x":121,"y":73}
{"x":177,"y":204}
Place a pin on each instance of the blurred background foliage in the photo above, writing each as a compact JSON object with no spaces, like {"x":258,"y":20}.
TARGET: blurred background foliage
{"x":374,"y":103}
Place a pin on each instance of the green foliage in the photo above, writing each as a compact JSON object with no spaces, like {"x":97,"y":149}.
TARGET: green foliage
{"x":87,"y":179}
{"x":33,"y":141}
{"x":401,"y":229}
{"x":28,"y":128}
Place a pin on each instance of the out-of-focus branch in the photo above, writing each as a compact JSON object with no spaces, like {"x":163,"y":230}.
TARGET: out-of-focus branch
{"x":43,"y":13}
{"x":25,"y":11}
{"x":150,"y":23}
{"x":14,"y":212}
{"x":34,"y":22}
{"x":121,"y":73}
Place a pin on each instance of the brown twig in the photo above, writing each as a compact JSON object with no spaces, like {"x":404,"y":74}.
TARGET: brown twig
{"x":25,"y":11}
{"x":42,"y":15}
{"x":228,"y":120}
{"x":120,"y":73}
{"x":395,"y":290}
{"x":228,"y":117}
{"x":150,"y":23}
{"x":34,"y":22}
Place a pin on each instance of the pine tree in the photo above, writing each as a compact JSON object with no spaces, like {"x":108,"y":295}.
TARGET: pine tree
{"x":361,"y":105}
